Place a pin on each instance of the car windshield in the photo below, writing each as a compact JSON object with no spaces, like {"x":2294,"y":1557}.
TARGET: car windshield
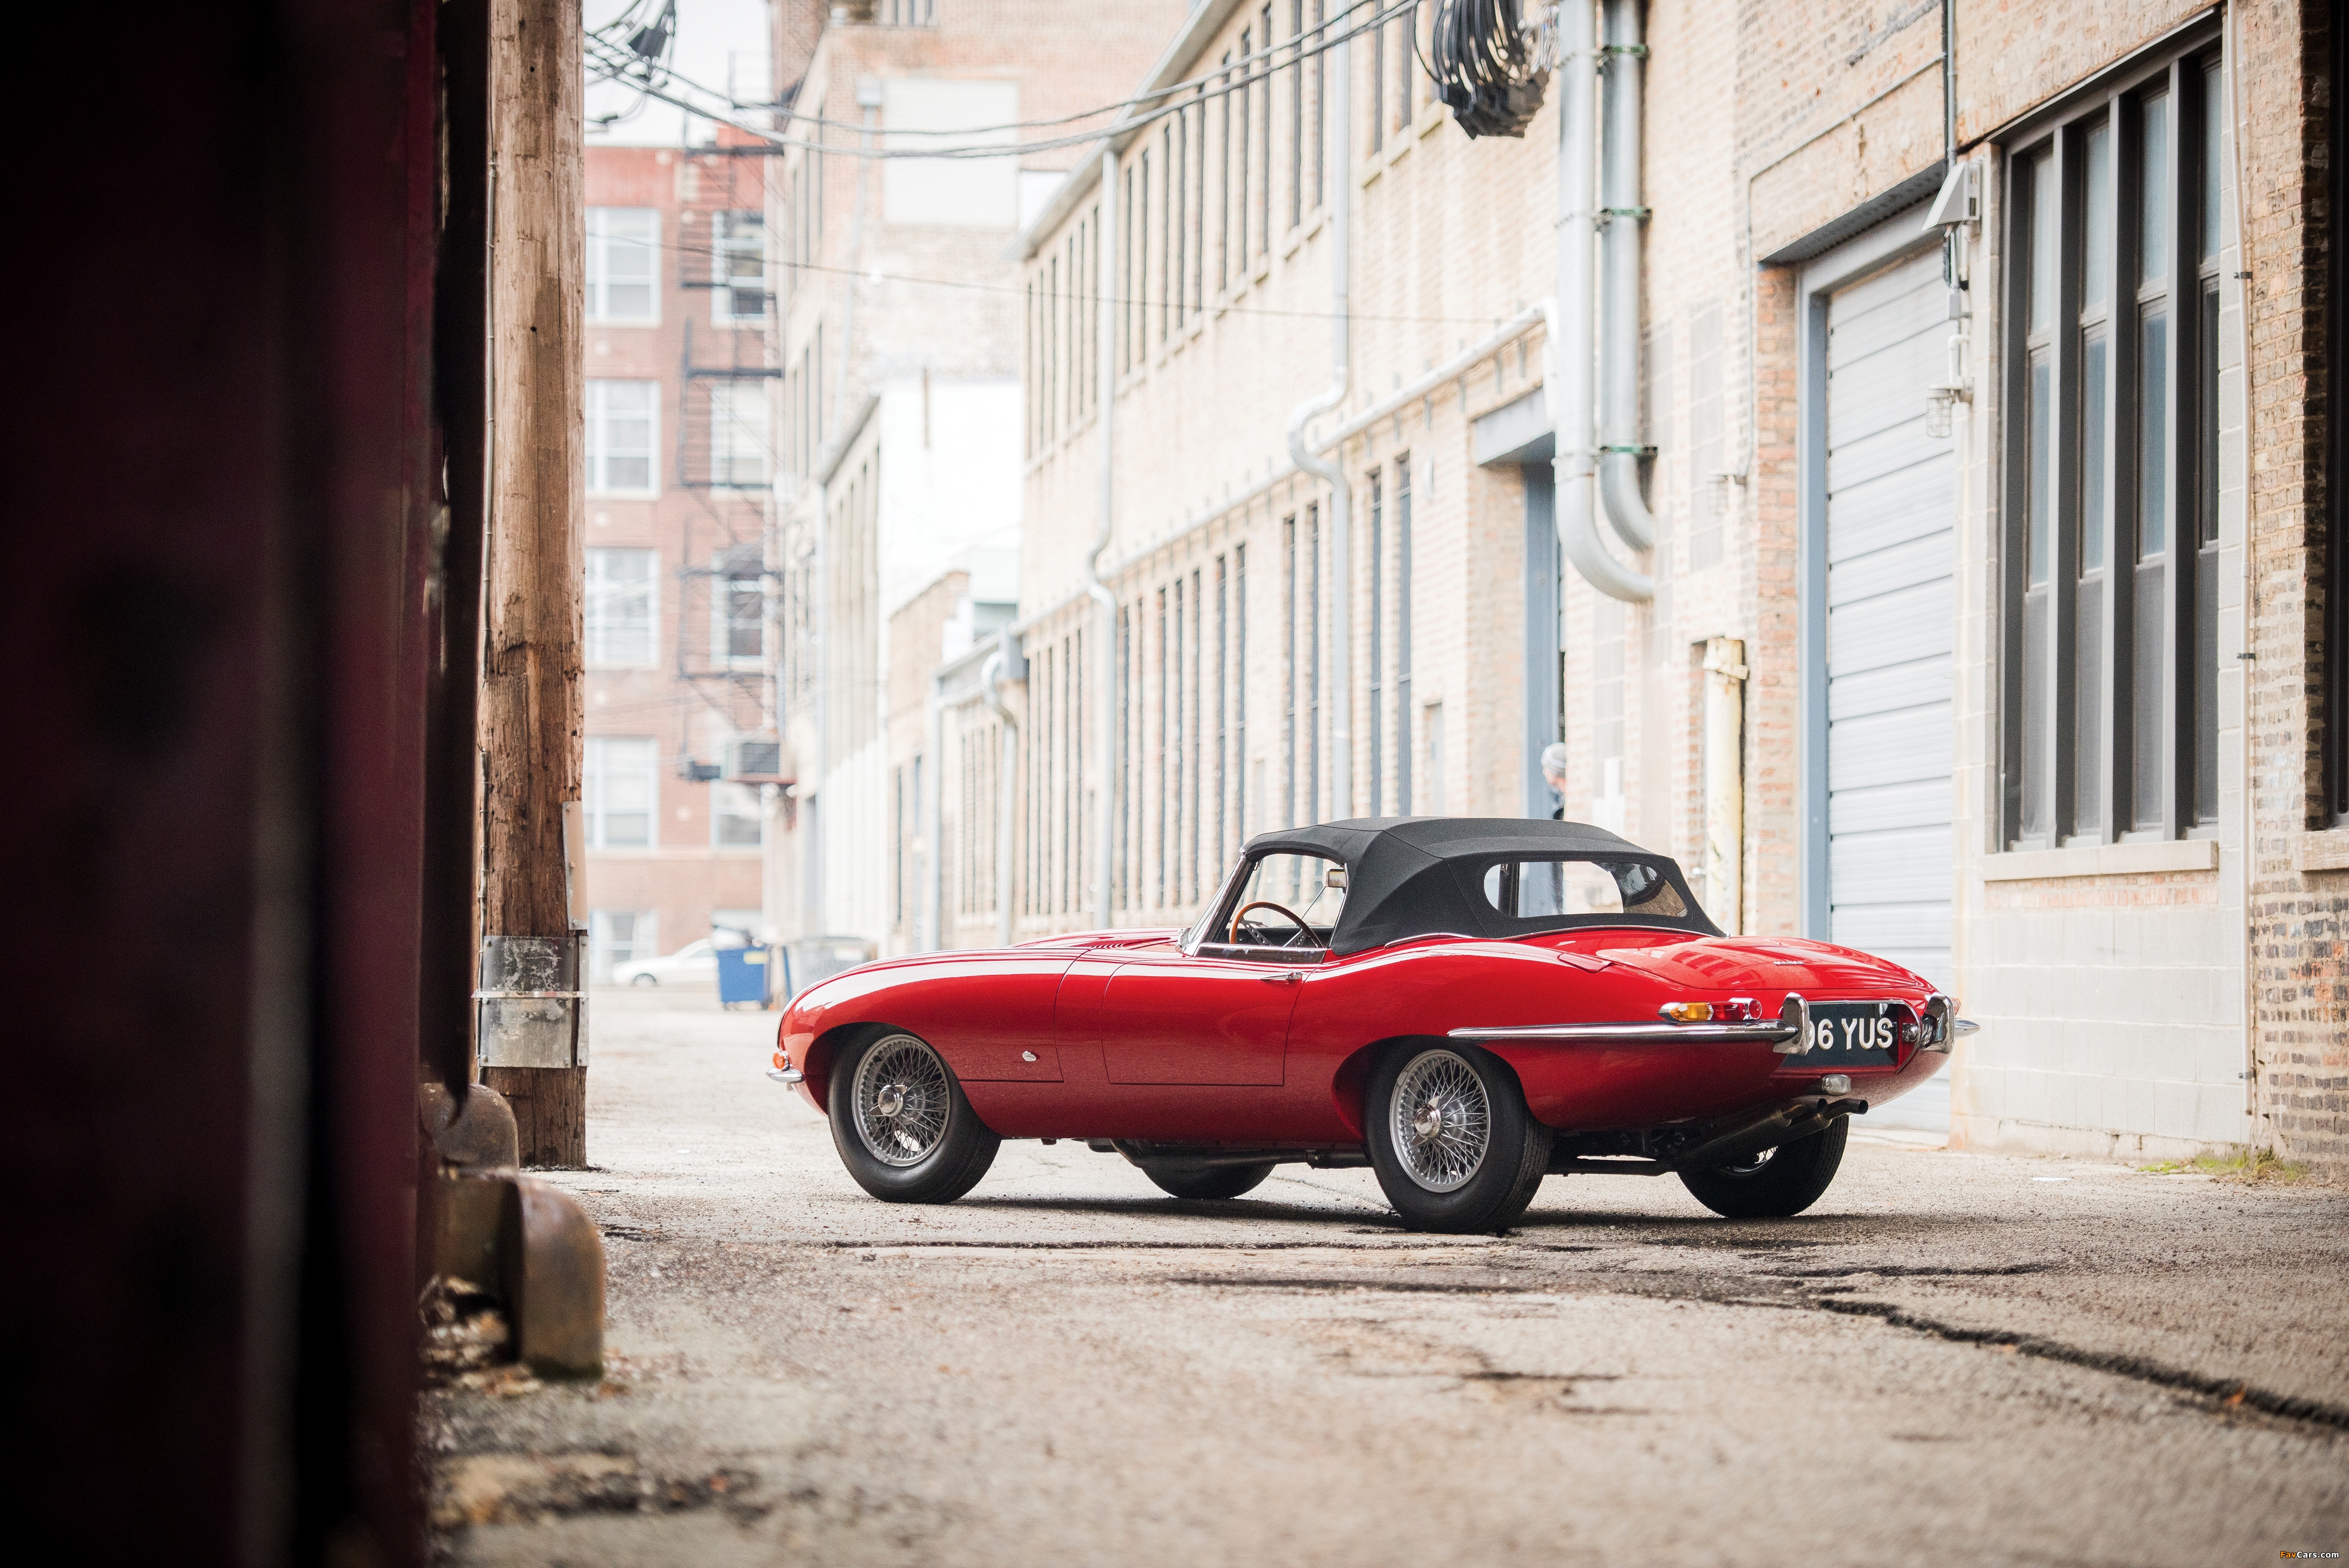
{"x":1285,"y":902}
{"x":1531,"y":889}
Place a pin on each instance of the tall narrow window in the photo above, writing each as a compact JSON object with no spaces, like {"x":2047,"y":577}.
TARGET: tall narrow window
{"x":624,"y":266}
{"x":1321,"y":107}
{"x":1197,"y":786}
{"x":1178,"y":218}
{"x":1313,"y":663}
{"x":1125,"y":301}
{"x":1224,"y":201}
{"x":1223,"y":701}
{"x":1377,"y":645}
{"x":1240,"y":694}
{"x":1296,"y":112}
{"x":1378,"y":88}
{"x":620,"y":601}
{"x":738,"y":265}
{"x":1288,"y":683}
{"x":2110,"y":715}
{"x":2202,"y":669}
{"x":1178,"y":747}
{"x":2149,"y":799}
{"x":1262,"y":93}
{"x":1199,"y":206}
{"x":622,"y":418}
{"x":1403,"y":713}
{"x":737,"y":434}
{"x":1165,"y":663}
{"x":619,"y":785}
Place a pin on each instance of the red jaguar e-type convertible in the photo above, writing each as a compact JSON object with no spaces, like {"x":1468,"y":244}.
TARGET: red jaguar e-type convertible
{"x":1464,"y":1005}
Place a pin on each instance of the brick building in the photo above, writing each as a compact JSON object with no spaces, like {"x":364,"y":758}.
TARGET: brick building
{"x":897,"y":399}
{"x":1980,"y":365}
{"x":680,"y":498}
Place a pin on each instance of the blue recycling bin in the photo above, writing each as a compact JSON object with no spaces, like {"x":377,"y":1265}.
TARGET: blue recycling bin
{"x":742,"y":976}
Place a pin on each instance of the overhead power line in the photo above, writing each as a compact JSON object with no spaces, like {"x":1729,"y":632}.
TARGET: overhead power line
{"x":1221,"y":82}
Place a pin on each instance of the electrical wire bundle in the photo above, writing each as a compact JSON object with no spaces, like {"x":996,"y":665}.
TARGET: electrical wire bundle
{"x":1491,"y":65}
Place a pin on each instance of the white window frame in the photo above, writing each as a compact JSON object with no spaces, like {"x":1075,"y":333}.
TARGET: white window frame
{"x":602,"y":591}
{"x":757,"y":431}
{"x":602,"y":242}
{"x":724,"y":244}
{"x":721,"y":620}
{"x":599,"y":449}
{"x":597,"y":776}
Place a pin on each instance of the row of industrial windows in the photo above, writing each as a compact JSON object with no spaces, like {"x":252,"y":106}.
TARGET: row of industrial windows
{"x":620,"y":793}
{"x":623,"y":609}
{"x":1198,"y":201}
{"x":623,"y":251}
{"x":623,"y":435}
{"x":2111,"y":711}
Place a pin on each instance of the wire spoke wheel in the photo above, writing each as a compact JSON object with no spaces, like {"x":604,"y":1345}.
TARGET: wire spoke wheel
{"x":901,"y":1097}
{"x":1441,"y":1120}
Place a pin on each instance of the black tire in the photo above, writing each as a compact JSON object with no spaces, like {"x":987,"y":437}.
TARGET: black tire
{"x":1433,"y":1173}
{"x":1785,"y":1181}
{"x":927,"y":1146}
{"x":644,"y":979}
{"x":1221,"y":1181}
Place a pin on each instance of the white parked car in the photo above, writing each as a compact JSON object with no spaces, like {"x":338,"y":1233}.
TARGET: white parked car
{"x":696,"y":964}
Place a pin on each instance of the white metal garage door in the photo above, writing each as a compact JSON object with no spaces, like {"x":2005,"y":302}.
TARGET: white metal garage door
{"x":1891,"y":619}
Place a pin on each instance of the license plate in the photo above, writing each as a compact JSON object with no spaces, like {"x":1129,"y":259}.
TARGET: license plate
{"x":1856,"y":1033}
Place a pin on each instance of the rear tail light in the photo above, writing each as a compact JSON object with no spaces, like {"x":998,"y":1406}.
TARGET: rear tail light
{"x":1736,"y":1010}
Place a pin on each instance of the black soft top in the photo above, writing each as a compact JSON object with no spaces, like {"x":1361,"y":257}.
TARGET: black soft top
{"x":1422,"y":876}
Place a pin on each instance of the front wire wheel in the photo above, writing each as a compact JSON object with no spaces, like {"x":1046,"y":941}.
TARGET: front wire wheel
{"x":1453,"y":1146}
{"x":902,"y":1125}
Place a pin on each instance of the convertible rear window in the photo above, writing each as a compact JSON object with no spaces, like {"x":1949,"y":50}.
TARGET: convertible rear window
{"x":1567,"y":885}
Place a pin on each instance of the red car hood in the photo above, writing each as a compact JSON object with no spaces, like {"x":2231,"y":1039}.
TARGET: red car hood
{"x":1775,"y":963}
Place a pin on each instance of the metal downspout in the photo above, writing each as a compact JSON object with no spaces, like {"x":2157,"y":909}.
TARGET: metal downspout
{"x":1331,"y":472}
{"x":1573,"y":360}
{"x":1105,"y":638}
{"x":1621,"y":221}
{"x":1006,"y":793}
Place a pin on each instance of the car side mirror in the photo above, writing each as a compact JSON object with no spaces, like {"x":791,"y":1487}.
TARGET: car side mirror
{"x":1334,"y":877}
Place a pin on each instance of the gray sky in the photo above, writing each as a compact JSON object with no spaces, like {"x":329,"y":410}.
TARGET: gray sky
{"x":721,"y":44}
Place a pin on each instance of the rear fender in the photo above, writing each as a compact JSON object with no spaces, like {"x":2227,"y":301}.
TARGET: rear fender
{"x":1351,"y":1081}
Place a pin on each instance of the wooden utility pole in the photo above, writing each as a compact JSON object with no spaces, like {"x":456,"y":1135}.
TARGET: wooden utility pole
{"x":532,"y":1025}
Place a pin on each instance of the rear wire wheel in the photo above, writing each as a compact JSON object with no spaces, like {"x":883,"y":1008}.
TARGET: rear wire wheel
{"x":901,"y":1123}
{"x":1216,"y":1181}
{"x":1453,"y":1146}
{"x":1775,"y":1183}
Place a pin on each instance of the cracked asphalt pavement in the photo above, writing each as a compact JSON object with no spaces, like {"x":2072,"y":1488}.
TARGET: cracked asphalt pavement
{"x":1953,"y":1358}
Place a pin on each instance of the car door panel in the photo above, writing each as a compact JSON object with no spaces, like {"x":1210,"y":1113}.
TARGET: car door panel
{"x":1177,"y":1019}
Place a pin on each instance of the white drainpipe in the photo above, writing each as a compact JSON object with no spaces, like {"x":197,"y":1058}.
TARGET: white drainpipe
{"x":1105,"y":640}
{"x":991,"y":681}
{"x":1573,"y":362}
{"x":1331,"y":472}
{"x":1621,"y":220}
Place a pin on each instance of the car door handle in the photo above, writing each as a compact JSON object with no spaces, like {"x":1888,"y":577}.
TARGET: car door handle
{"x":1286,"y":977}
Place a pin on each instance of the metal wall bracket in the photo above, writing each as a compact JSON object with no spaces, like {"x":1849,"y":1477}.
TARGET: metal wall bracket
{"x":530,"y":1009}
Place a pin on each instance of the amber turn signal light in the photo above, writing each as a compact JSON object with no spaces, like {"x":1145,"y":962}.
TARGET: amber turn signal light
{"x":1736,"y":1010}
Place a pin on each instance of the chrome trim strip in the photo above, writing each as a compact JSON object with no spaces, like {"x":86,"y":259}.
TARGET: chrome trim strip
{"x":786,"y":1074}
{"x":1693,"y":1033}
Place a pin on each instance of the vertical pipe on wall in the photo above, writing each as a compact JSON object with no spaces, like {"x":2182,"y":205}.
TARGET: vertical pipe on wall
{"x":1621,"y":221}
{"x":1573,"y":368}
{"x":1724,"y":782}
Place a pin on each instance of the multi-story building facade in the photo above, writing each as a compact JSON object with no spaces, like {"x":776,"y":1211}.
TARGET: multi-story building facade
{"x":897,"y":400}
{"x":1981,"y":411}
{"x":680,"y":498}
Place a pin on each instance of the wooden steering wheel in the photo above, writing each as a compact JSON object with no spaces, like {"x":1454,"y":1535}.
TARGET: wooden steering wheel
{"x":1241,"y":914}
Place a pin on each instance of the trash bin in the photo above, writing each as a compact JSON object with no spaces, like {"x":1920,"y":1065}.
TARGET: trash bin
{"x":807,"y":960}
{"x":742,"y":976}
